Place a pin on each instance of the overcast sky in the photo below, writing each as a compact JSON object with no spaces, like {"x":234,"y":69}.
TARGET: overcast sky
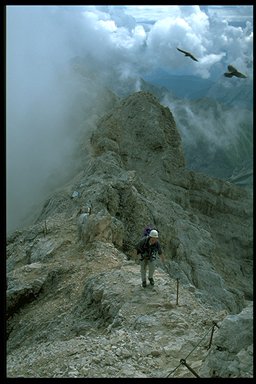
{"x":119,"y":41}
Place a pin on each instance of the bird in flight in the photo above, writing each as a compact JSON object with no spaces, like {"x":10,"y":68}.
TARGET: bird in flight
{"x":188,"y":54}
{"x":232,"y":71}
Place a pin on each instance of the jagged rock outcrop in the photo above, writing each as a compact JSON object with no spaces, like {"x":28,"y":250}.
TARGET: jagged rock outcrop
{"x":231,"y":354}
{"x":67,"y":297}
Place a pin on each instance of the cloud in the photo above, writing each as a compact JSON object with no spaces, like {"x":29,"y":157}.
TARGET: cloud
{"x":47,"y":103}
{"x":231,"y":13}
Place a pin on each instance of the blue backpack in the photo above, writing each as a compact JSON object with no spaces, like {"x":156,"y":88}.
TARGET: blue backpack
{"x":148,"y":229}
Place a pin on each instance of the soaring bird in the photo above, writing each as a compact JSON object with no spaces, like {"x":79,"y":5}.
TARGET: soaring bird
{"x":188,"y":54}
{"x":234,"y":72}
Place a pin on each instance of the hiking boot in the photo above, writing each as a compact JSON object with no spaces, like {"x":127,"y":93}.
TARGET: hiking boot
{"x":151,"y":280}
{"x":144,"y":284}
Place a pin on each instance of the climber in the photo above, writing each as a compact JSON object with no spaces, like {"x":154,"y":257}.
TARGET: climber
{"x":149,"y":247}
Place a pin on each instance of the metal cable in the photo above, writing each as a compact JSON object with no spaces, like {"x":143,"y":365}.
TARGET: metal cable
{"x":192,"y":350}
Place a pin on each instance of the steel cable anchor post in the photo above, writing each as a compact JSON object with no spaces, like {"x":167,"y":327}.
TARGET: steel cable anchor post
{"x":45,"y":229}
{"x":214,"y":325}
{"x":183,"y":361}
{"x":177,"y":294}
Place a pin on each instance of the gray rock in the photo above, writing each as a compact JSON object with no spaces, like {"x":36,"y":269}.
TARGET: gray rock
{"x":91,"y":317}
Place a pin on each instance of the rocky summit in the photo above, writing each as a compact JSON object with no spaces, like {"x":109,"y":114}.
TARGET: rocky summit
{"x":75,"y":305}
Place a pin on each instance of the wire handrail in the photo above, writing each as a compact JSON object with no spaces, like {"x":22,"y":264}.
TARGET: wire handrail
{"x":183,"y":361}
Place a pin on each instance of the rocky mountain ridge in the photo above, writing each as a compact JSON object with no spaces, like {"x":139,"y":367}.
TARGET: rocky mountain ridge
{"x":77,"y":309}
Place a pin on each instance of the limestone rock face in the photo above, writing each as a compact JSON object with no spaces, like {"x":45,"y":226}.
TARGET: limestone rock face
{"x":77,"y":296}
{"x":232,"y":347}
{"x":144,"y":135}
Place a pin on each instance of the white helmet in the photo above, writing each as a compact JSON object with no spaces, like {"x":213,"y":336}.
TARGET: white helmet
{"x":153,"y":233}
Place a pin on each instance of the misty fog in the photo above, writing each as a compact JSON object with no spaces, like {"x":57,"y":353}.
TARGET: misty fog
{"x":49,"y":106}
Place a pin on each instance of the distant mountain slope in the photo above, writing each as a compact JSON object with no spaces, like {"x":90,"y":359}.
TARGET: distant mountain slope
{"x":232,"y":91}
{"x":217,"y":140}
{"x":190,"y":87}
